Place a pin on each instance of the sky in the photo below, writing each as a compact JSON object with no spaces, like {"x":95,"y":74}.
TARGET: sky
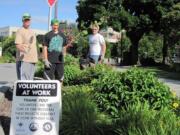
{"x":11,"y":12}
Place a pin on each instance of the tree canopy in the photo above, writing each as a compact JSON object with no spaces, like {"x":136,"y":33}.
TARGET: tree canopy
{"x":136,"y":16}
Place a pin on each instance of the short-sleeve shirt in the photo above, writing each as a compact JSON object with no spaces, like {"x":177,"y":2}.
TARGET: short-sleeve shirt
{"x":55,"y":43}
{"x":27,"y":37}
{"x":95,"y":43}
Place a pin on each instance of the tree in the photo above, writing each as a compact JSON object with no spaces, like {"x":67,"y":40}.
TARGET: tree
{"x":137,"y":17}
{"x":150,"y":48}
{"x":171,"y":29}
{"x":8,"y":46}
{"x":8,"y":49}
{"x":104,"y":11}
{"x":143,"y":16}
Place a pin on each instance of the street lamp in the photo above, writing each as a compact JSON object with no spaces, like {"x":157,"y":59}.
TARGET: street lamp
{"x":123,"y":32}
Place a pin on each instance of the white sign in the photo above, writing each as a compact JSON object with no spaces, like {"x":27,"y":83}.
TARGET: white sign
{"x":36,"y":108}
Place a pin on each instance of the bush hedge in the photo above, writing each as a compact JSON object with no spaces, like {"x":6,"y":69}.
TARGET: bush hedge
{"x":80,"y":114}
{"x":140,"y":119}
{"x":114,"y":90}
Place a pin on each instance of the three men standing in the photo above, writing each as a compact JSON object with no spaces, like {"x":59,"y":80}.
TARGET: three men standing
{"x":54,"y":47}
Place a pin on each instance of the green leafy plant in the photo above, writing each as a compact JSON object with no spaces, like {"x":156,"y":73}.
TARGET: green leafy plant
{"x":8,"y":50}
{"x":114,"y":90}
{"x":71,"y":69}
{"x":69,"y":60}
{"x":80,"y":115}
{"x":71,"y":73}
{"x":150,"y":48}
{"x":140,"y":119}
{"x":75,"y":76}
{"x":39,"y":69}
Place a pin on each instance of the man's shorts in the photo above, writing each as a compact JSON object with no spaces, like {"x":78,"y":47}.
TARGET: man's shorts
{"x":56,"y":71}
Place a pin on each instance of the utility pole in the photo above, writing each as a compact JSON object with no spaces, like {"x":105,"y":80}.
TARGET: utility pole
{"x":51,"y":4}
{"x":49,"y":18}
{"x":56,"y":10}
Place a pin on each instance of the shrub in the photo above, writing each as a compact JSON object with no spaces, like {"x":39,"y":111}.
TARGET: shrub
{"x":80,"y":115}
{"x":8,"y":47}
{"x":114,"y":90}
{"x":71,"y":73}
{"x":150,"y":48}
{"x":69,"y":60}
{"x":71,"y":69}
{"x":140,"y":119}
{"x":7,"y":59}
{"x":74,"y":76}
{"x":39,"y":69}
{"x":91,"y":73}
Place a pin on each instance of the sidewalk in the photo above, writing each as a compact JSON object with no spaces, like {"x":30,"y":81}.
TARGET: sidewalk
{"x":173,"y":84}
{"x":8,"y":72}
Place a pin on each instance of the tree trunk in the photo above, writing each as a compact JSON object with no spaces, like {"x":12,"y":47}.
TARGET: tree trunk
{"x":134,"y":36}
{"x":164,"y":50}
{"x":134,"y":53}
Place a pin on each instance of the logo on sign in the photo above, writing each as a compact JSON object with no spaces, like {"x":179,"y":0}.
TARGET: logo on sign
{"x":33,"y":127}
{"x":47,"y":127}
{"x":20,"y":127}
{"x":20,"y":124}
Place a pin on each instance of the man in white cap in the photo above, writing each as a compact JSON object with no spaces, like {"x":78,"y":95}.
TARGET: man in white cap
{"x":26,"y":54}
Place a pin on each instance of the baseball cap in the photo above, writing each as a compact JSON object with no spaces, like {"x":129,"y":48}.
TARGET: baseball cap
{"x":54,"y":22}
{"x":26,"y":16}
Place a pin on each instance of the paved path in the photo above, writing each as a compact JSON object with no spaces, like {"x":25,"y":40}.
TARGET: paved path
{"x":7,"y":73}
{"x":173,"y":84}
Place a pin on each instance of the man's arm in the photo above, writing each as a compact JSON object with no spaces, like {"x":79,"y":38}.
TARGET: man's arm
{"x":65,"y":48}
{"x":67,"y":43}
{"x":45,"y":53}
{"x":21,"y":47}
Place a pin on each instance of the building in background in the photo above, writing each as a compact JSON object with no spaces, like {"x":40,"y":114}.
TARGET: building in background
{"x":111,"y":35}
{"x":10,"y":31}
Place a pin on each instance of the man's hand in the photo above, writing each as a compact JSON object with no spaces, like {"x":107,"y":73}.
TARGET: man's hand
{"x":22,"y":47}
{"x":47,"y":64}
{"x":101,"y":57}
